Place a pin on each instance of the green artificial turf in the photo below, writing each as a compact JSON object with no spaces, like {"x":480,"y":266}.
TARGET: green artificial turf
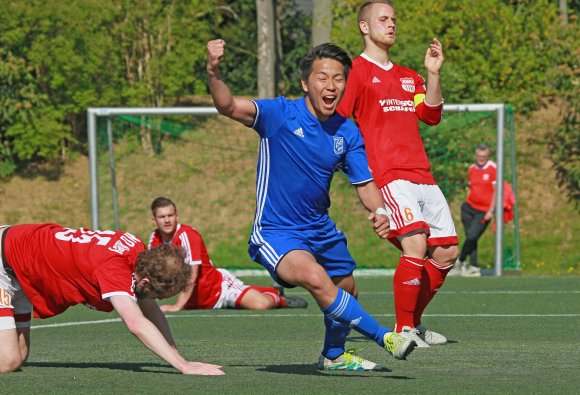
{"x":507,"y":335}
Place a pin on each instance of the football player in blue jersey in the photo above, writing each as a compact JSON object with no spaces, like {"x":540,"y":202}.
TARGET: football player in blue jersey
{"x":302,"y":143}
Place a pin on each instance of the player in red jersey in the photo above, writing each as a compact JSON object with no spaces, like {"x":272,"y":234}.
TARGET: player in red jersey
{"x":49,"y":268}
{"x":210,"y":288}
{"x":386,"y":100}
{"x":477,"y":210}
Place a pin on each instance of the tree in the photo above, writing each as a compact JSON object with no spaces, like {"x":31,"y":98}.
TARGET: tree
{"x":265,"y":10}
{"x":321,"y":22}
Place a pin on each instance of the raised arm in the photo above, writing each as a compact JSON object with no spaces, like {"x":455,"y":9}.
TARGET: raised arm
{"x":241,"y":110}
{"x":433,"y":61}
{"x":152,"y":337}
{"x":372,"y":200}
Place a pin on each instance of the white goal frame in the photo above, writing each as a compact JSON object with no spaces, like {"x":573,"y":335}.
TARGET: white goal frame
{"x":93,"y":113}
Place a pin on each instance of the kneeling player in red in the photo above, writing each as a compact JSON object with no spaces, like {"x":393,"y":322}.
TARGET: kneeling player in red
{"x":49,"y":268}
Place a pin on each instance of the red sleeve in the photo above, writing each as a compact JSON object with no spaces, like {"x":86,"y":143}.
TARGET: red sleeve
{"x":348,"y":101}
{"x":115,"y":277}
{"x":429,"y":115}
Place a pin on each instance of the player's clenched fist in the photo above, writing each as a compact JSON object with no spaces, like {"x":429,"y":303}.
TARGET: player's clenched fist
{"x":215,"y":51}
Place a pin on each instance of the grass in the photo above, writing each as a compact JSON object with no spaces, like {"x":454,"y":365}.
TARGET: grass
{"x":507,"y":335}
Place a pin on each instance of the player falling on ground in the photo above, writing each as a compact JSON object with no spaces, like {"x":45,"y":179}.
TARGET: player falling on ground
{"x":50,"y":268}
{"x":209,"y":288}
{"x":386,"y":101}
{"x":302,"y":143}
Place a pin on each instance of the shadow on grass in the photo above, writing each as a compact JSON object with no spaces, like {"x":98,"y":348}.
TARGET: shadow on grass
{"x":312,"y":370}
{"x":362,"y":339}
{"x":134,"y":367}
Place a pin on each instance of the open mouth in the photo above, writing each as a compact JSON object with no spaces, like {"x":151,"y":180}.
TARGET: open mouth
{"x":329,"y":100}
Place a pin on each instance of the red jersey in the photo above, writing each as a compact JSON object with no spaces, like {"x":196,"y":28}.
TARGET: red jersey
{"x":481,"y":185}
{"x":59,"y":267}
{"x":385,"y":102}
{"x":208,"y":286}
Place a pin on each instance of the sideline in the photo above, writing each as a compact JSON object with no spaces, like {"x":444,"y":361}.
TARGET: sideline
{"x":359,"y":272}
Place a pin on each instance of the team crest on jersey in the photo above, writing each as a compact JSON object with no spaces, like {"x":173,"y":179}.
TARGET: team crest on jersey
{"x":408,"y":84}
{"x":338,"y":145}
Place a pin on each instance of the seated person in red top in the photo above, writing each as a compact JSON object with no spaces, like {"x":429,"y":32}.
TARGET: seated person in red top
{"x":49,"y":268}
{"x":210,"y":288}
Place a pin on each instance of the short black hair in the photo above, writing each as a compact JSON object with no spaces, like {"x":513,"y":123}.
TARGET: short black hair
{"x":324,"y":51}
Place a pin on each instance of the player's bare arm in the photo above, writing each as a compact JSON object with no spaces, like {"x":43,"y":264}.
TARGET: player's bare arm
{"x":241,"y":110}
{"x":152,"y":338}
{"x":433,"y":62}
{"x":372,"y":200}
{"x":184,"y":295}
{"x":153,"y":313}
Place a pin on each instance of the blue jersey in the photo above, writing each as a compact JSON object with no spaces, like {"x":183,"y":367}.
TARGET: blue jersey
{"x":297,"y":160}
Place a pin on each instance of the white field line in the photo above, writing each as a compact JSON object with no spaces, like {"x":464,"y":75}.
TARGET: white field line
{"x":264,"y":272}
{"x":258,"y":315}
{"x":492,"y":292}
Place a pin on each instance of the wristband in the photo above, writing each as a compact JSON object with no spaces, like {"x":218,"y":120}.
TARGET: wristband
{"x":381,"y":211}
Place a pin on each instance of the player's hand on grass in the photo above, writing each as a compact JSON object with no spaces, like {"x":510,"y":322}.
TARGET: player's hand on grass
{"x":215,"y":52}
{"x":434,"y":57}
{"x":202,"y":369}
{"x":380,"y":224}
{"x":169,"y":308}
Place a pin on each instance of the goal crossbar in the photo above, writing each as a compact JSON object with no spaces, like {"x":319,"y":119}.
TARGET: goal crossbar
{"x":94,"y":113}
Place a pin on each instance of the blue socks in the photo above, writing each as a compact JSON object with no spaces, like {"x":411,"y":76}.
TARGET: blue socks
{"x":334,"y":338}
{"x":348,"y":313}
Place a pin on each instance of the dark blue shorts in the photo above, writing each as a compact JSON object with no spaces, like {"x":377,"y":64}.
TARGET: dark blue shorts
{"x":328,"y":247}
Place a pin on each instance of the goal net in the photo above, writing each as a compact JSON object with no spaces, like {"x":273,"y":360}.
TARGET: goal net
{"x":206,"y":165}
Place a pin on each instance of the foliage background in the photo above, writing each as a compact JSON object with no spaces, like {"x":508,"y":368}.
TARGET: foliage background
{"x":58,"y":58}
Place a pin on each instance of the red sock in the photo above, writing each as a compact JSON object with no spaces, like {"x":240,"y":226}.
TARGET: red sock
{"x":406,"y":288}
{"x":282,"y":304}
{"x":271,"y":292}
{"x":433,"y":278}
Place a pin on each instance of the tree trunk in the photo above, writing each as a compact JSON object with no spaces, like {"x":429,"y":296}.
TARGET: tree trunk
{"x":266,"y":48}
{"x":564,"y":11}
{"x":321,"y":22}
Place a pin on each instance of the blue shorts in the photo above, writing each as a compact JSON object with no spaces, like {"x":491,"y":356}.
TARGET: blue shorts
{"x":327,"y":246}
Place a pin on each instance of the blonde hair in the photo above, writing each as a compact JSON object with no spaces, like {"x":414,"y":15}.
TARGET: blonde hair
{"x":363,"y":11}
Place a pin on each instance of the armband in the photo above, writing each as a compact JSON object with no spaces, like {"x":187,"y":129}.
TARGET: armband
{"x":381,"y":211}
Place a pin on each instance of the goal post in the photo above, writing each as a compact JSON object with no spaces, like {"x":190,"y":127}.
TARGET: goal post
{"x":500,"y":138}
{"x":109,"y":112}
{"x":503,"y":116}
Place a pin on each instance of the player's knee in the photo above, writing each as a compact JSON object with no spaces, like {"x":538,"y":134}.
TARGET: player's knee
{"x":445,"y":255}
{"x":451,"y":254}
{"x":316,"y":282}
{"x":10,"y":363}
